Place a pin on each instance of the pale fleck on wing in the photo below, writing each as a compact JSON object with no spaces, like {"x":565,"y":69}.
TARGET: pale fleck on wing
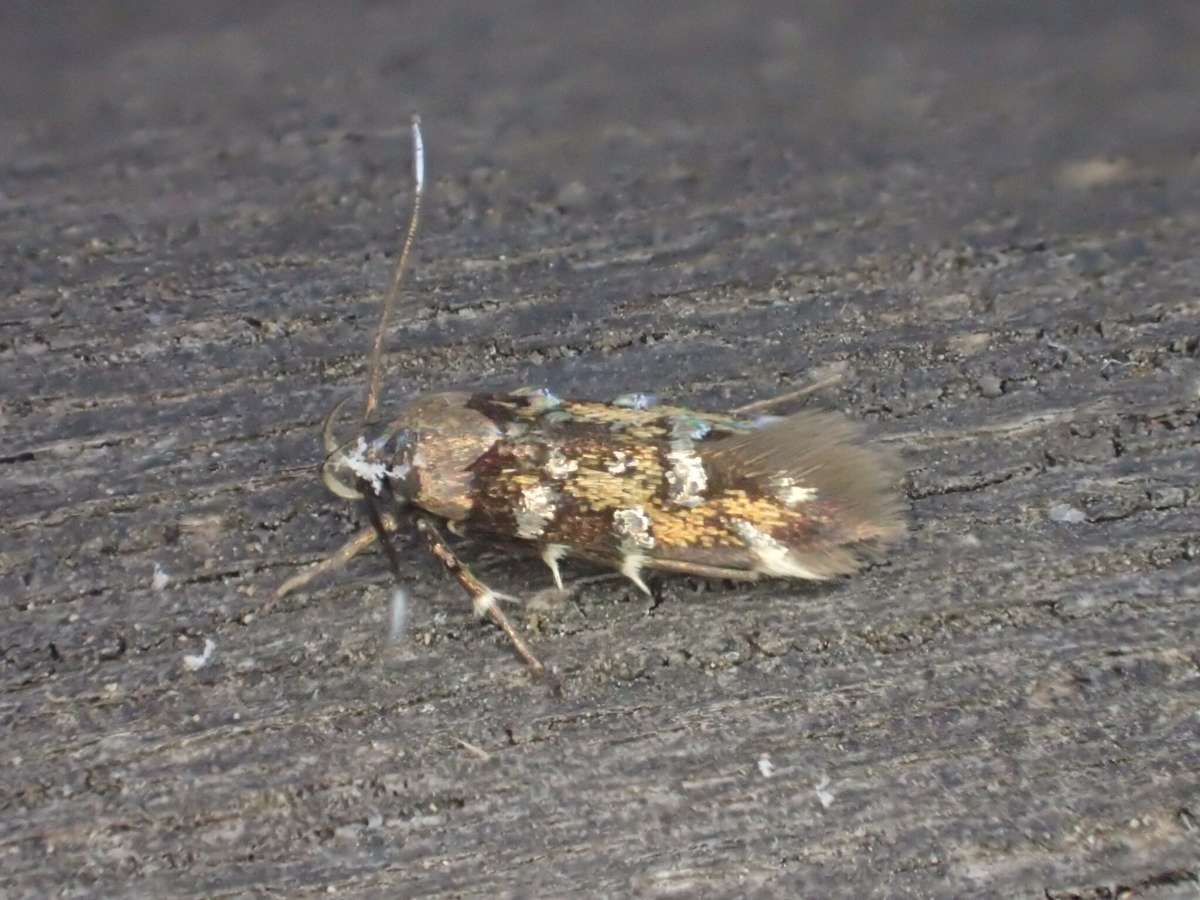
{"x":818,"y":501}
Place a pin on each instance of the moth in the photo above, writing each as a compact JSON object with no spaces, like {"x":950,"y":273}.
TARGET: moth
{"x":627,"y":483}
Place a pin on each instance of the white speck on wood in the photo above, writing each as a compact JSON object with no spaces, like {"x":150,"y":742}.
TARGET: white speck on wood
{"x":824,"y":795}
{"x":196,"y":661}
{"x":160,"y":579}
{"x":1069,"y":515}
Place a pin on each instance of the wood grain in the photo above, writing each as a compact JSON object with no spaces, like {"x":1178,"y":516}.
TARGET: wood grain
{"x":983,"y":217}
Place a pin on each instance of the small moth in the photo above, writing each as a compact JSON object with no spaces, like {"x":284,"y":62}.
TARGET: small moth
{"x":627,"y":484}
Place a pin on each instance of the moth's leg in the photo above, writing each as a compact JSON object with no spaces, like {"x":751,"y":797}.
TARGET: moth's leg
{"x":483,"y":598}
{"x":356,"y":545}
{"x":689,"y":568}
{"x":551,"y":554}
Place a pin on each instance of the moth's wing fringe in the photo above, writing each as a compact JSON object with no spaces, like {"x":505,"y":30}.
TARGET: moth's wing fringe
{"x":825,"y":452}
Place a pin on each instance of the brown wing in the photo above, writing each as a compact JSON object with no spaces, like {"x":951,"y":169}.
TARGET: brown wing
{"x":676,"y":489}
{"x":807,"y":498}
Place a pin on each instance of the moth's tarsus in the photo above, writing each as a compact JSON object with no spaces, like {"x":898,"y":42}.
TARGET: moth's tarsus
{"x":483,"y":598}
{"x":361,"y":540}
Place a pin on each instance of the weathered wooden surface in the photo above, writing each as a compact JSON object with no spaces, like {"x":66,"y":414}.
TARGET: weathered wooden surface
{"x":983,"y":215}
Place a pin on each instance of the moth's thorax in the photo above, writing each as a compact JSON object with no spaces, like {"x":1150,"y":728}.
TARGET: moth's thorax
{"x":436,"y":439}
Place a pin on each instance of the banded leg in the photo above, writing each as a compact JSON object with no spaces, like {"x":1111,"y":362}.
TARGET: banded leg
{"x":340,"y":557}
{"x":483,"y":598}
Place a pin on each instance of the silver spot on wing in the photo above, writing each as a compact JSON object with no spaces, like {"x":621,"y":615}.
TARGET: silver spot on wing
{"x":791,"y":493}
{"x":620,"y":464}
{"x":774,"y":557}
{"x":538,"y":506}
{"x":557,"y":464}
{"x":686,"y":479}
{"x":632,"y":526}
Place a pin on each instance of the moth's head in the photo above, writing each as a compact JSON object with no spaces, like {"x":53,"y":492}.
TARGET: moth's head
{"x":423,"y":456}
{"x":368,"y":462}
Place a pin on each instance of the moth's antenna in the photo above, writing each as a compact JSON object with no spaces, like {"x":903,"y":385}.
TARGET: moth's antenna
{"x":771,"y":402}
{"x":375,"y":378}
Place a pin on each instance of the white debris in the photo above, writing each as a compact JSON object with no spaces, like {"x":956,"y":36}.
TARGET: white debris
{"x":766,"y":768}
{"x":196,"y":661}
{"x":824,"y":795}
{"x":1061,"y":512}
{"x":160,"y":579}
